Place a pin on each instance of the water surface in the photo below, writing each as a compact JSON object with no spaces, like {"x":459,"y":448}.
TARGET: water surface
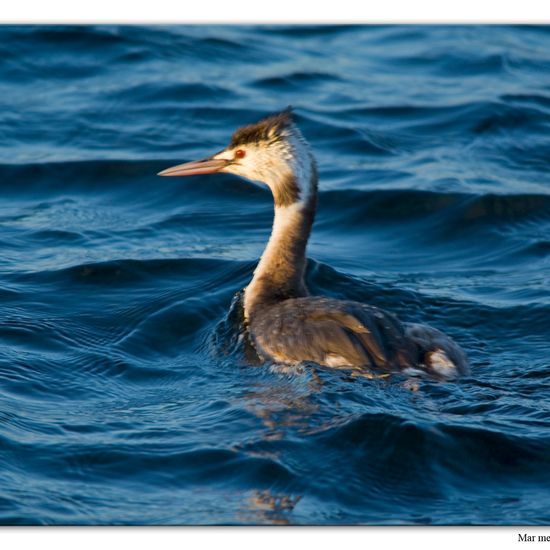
{"x":123,"y":397}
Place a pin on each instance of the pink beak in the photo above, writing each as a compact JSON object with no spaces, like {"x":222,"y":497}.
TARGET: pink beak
{"x":196,"y":168}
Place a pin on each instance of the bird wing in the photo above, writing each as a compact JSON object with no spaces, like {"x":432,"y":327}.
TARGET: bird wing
{"x":331,"y":332}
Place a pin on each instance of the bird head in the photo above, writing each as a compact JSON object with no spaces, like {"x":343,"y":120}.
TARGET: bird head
{"x":271,"y":151}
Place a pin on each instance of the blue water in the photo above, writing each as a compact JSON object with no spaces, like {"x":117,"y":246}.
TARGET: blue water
{"x":125,"y":396}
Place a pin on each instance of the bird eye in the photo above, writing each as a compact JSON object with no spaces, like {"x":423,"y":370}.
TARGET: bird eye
{"x":240,"y":153}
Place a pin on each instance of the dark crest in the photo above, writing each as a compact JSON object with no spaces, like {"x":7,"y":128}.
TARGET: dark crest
{"x":267,"y":129}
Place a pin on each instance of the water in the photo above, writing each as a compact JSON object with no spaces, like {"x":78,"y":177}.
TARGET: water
{"x":123,"y":398}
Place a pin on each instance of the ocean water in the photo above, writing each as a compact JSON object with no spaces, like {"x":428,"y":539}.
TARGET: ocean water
{"x":125,"y":397}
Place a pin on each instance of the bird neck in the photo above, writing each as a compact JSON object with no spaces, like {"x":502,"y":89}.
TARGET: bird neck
{"x":279,"y":274}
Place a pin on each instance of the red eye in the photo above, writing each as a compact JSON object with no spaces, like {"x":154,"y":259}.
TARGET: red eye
{"x":240,"y":153}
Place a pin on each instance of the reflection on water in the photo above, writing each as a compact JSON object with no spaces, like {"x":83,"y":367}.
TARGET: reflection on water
{"x":269,"y":508}
{"x":288,"y":404}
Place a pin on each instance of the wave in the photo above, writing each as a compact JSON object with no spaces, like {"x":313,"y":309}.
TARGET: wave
{"x":113,"y":176}
{"x":461,"y":455}
{"x":404,"y":205}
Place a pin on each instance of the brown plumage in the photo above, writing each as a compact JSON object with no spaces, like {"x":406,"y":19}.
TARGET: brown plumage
{"x":287,"y":193}
{"x":330,"y":332}
{"x":268,"y":130}
{"x":287,"y":325}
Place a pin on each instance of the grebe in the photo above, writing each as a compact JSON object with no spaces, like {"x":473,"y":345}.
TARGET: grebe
{"x":286,"y":324}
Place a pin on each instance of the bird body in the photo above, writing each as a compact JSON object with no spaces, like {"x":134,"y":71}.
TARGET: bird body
{"x":287,"y":325}
{"x":335,"y":333}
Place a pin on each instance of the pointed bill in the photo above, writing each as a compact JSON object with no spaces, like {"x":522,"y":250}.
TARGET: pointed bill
{"x":197,"y":167}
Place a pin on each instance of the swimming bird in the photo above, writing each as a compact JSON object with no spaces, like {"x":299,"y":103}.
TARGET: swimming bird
{"x":286,"y":324}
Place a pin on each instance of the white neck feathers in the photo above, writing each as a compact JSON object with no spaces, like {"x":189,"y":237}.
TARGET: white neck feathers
{"x":280,"y":272}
